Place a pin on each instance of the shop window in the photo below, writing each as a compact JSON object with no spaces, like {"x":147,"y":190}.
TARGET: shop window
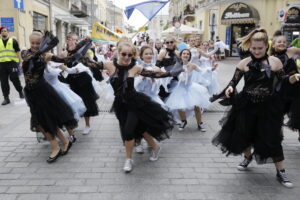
{"x":39,"y":21}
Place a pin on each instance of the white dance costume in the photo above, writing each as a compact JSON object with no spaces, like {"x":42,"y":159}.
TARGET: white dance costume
{"x":63,"y":90}
{"x":187,"y":94}
{"x":149,"y":86}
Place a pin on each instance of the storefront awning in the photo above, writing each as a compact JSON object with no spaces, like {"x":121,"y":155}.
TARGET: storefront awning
{"x":72,"y":19}
{"x":240,"y":13}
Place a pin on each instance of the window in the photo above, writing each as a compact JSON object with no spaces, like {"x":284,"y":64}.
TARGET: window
{"x":39,"y":21}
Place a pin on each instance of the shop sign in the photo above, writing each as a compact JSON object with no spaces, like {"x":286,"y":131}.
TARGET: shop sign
{"x":8,"y":22}
{"x":237,"y":10}
{"x":293,"y":15}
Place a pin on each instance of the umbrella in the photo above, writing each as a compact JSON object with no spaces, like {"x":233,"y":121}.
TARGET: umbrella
{"x":182,"y":30}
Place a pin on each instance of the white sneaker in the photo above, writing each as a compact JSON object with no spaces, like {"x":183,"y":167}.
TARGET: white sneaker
{"x":128,"y":165}
{"x":86,"y":130}
{"x":139,"y":149}
{"x":154,"y":154}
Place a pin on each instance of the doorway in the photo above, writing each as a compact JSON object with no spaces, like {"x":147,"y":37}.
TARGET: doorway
{"x":238,"y":31}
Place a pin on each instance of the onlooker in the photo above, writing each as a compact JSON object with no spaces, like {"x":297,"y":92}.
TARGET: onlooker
{"x":9,"y":63}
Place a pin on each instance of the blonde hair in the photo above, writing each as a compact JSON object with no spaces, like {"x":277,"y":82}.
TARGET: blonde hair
{"x":127,"y":44}
{"x":258,"y":35}
{"x":36,"y":33}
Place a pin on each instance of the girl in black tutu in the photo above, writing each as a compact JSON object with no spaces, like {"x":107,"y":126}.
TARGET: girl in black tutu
{"x":255,"y":119}
{"x":48,"y":111}
{"x":138,"y":115}
{"x":291,"y":93}
{"x":80,"y":83}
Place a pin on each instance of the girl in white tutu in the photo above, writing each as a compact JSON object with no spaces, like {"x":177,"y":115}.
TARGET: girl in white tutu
{"x":51,"y":73}
{"x":187,"y":95}
{"x":210,"y":74}
{"x":146,"y":85}
{"x":202,"y":58}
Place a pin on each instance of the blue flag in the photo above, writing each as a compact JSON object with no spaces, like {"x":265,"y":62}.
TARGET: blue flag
{"x":149,"y":8}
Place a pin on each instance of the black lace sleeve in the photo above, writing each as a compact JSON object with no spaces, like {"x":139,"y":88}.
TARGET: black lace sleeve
{"x":92,"y":64}
{"x":64,"y":60}
{"x":152,"y":74}
{"x":238,"y":74}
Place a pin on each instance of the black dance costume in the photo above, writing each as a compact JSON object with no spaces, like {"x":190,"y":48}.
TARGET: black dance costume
{"x":291,"y":93}
{"x":136,"y":112}
{"x":168,"y":64}
{"x":255,"y":118}
{"x":47,"y":108}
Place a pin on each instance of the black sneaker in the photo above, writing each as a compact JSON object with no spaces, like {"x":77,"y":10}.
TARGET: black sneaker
{"x":6,"y":101}
{"x":201,"y":128}
{"x":244,"y":164}
{"x":283,"y":179}
{"x":72,"y":138}
{"x":182,"y":125}
{"x":21,"y":95}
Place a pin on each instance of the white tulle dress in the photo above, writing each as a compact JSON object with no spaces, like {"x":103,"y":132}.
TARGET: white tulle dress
{"x":149,"y":86}
{"x":64,"y":91}
{"x":206,"y":76}
{"x":187,"y":94}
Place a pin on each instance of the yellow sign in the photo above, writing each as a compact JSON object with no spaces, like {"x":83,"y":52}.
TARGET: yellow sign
{"x":102,"y":33}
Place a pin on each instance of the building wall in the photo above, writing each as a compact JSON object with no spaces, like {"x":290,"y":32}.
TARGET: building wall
{"x":23,"y":20}
{"x":267,"y":9}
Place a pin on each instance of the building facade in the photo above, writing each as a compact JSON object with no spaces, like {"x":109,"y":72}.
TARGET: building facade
{"x":231,"y":19}
{"x":114,"y":18}
{"x":58,"y":16}
{"x":157,"y":24}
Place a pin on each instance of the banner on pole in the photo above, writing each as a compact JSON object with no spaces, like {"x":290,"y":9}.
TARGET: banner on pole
{"x":101,"y":33}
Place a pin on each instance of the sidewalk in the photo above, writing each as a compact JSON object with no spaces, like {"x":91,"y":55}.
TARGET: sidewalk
{"x":190,"y":167}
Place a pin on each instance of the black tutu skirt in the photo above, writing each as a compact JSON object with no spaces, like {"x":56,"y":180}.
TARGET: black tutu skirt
{"x":257,"y":125}
{"x":137,"y":114}
{"x":293,"y":106}
{"x":82,"y":85}
{"x":47,"y":108}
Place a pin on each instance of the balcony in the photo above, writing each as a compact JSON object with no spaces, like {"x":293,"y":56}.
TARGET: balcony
{"x":79,"y":9}
{"x":189,"y":13}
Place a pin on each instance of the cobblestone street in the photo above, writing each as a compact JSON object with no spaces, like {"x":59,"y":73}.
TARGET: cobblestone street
{"x":189,"y":167}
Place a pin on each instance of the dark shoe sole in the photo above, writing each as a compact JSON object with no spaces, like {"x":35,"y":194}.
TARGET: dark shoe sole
{"x":51,"y":160}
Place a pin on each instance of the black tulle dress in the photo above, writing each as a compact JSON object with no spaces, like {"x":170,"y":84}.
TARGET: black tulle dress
{"x":47,"y":108}
{"x":136,"y":112}
{"x":291,"y":94}
{"x":81,"y":84}
{"x":168,"y":64}
{"x":255,"y":118}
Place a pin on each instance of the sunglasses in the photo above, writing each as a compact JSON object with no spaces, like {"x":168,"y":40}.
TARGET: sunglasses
{"x":169,"y":42}
{"x":127,"y":54}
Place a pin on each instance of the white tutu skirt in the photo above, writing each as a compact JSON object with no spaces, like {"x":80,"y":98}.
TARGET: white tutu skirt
{"x":207,"y":78}
{"x":149,"y":88}
{"x":71,"y":98}
{"x":186,"y":97}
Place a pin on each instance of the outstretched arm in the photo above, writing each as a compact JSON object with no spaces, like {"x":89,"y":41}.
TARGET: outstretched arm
{"x":238,"y":74}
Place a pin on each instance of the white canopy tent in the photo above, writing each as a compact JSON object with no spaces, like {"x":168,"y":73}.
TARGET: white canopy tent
{"x":182,"y":30}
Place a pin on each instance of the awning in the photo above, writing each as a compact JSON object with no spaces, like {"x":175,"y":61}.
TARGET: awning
{"x":72,"y":19}
{"x":240,"y":13}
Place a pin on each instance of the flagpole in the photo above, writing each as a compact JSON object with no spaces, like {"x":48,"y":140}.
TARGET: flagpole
{"x":138,"y":30}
